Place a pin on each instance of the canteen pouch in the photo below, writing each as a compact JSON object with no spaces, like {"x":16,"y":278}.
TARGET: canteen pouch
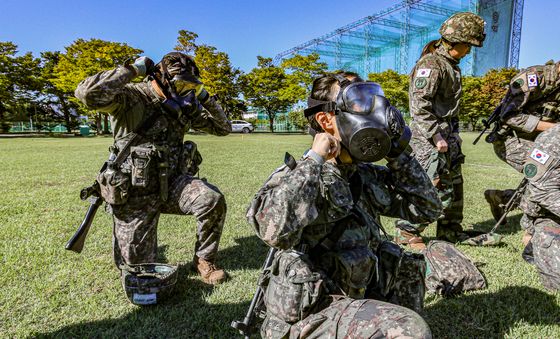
{"x":355,"y":269}
{"x":293,"y":287}
{"x":190,"y":158}
{"x":389,"y":255}
{"x":113,"y":185}
{"x":141,"y":158}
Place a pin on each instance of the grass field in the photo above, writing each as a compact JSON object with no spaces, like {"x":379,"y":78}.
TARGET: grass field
{"x":46,"y":291}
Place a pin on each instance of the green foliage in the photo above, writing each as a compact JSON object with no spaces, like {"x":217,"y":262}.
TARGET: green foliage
{"x":395,"y":87}
{"x":20,"y":82}
{"x":482,"y":94}
{"x":264,"y":87}
{"x":216,"y":72}
{"x":296,"y":118}
{"x":48,"y":292}
{"x":275,"y":89}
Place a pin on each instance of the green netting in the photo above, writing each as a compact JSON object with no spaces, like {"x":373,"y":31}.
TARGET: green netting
{"x":394,"y":38}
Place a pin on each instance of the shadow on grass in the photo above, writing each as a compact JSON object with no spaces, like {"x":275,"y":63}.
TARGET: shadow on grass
{"x":250,"y":248}
{"x":491,"y":315}
{"x":184,"y":315}
{"x":513,"y":225}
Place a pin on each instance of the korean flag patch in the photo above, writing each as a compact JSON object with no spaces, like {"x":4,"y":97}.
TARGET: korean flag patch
{"x":532,"y":80}
{"x":539,"y":156}
{"x":423,"y":72}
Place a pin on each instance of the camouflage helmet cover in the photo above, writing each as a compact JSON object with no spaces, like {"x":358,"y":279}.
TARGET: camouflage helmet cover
{"x":147,"y":284}
{"x":464,"y":27}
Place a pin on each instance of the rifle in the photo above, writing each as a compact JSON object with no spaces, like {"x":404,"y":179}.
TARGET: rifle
{"x":247,"y":327}
{"x":76,"y":243}
{"x":494,"y":117}
{"x":512,"y":203}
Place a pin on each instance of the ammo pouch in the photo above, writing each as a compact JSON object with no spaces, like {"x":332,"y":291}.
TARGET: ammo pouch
{"x":356,"y":268}
{"x":190,"y":158}
{"x":142,"y":158}
{"x":113,"y":184}
{"x":389,"y":255}
{"x":410,"y":288}
{"x":449,"y":272}
{"x":293,"y":287}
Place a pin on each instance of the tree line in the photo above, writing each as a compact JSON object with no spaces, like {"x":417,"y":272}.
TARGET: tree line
{"x":43,"y":86}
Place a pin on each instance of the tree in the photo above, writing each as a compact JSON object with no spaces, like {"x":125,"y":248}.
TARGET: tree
{"x":300,"y":73}
{"x":395,"y":87}
{"x":20,"y":82}
{"x":85,"y":58}
{"x":216,"y":72}
{"x":472,"y":102}
{"x":264,"y":87}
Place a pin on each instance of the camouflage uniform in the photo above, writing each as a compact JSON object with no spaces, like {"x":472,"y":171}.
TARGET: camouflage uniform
{"x":532,"y":96}
{"x":541,"y":205}
{"x":135,"y":222}
{"x":299,"y":208}
{"x":435,"y":90}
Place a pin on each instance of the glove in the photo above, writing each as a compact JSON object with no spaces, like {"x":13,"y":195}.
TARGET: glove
{"x":143,"y":66}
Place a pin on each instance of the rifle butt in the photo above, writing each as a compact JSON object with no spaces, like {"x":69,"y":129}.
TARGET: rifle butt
{"x":76,"y":243}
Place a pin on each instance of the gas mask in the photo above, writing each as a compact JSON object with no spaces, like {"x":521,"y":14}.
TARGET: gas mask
{"x":184,"y":90}
{"x":369,"y":127}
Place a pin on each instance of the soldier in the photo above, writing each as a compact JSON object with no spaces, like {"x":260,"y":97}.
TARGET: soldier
{"x":435,"y":92}
{"x":541,"y":206}
{"x":529,"y":107}
{"x":323,"y":213}
{"x":150,"y":170}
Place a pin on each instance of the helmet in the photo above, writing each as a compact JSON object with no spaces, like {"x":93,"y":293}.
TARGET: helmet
{"x":146,"y":284}
{"x":465,"y":27}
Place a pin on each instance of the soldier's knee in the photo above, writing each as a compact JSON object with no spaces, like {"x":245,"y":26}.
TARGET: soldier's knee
{"x":212,"y":199}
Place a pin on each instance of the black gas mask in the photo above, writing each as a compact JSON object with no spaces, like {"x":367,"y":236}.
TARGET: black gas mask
{"x":184,"y":90}
{"x":370,"y":128}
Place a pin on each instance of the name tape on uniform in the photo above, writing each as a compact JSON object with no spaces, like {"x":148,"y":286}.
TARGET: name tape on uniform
{"x":532,"y":80}
{"x":423,"y":72}
{"x":539,"y":156}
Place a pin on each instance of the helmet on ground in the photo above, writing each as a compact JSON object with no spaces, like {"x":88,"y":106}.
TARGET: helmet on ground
{"x":147,"y":284}
{"x":464,"y":27}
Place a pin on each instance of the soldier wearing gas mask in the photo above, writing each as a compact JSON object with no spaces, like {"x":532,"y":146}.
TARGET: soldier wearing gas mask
{"x":335,"y":274}
{"x":150,"y":169}
{"x":435,"y":93}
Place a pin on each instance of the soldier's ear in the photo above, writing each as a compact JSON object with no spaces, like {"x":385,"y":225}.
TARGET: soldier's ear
{"x":326,"y":121}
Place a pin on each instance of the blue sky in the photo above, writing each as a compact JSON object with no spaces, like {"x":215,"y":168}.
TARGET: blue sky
{"x":241,"y":28}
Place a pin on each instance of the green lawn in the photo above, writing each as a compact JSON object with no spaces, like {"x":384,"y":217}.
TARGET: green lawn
{"x":46,"y":291}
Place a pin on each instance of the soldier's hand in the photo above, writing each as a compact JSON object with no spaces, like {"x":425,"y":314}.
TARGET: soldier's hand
{"x":143,"y":66}
{"x":440,"y":142}
{"x":326,"y":145}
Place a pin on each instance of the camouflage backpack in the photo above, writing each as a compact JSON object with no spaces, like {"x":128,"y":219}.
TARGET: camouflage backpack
{"x":449,"y":272}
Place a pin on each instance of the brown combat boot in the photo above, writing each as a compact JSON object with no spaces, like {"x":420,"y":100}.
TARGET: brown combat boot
{"x":494,"y":199}
{"x":209,"y":272}
{"x":412,"y":240}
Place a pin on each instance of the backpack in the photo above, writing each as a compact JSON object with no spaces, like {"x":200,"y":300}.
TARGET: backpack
{"x":449,"y":272}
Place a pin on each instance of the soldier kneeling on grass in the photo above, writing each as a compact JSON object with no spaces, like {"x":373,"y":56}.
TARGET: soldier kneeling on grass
{"x":150,"y":170}
{"x":335,"y":275}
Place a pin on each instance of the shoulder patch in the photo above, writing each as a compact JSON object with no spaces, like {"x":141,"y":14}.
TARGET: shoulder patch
{"x":530,"y":170}
{"x":539,"y":156}
{"x":423,"y":72}
{"x":420,"y":83}
{"x":532,"y":80}
{"x":518,"y":83}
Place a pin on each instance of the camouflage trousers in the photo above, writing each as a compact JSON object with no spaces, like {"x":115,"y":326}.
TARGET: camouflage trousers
{"x":352,"y":318}
{"x":135,"y":223}
{"x":444,"y":169}
{"x":546,"y":252}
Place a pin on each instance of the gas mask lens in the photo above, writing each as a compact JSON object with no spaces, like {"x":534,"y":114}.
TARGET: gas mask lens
{"x":183,"y":84}
{"x":358,"y":98}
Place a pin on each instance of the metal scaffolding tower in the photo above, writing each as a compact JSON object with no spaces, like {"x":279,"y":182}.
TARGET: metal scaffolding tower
{"x":394,"y":37}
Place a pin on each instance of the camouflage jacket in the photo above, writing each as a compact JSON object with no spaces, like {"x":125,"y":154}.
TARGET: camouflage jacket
{"x":532,"y":96}
{"x":434,"y":93}
{"x":304,"y":205}
{"x":542,"y":169}
{"x":129,"y":104}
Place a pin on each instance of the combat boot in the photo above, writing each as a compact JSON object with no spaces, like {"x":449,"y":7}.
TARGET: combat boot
{"x":495,"y":200}
{"x":209,"y":272}
{"x":414,"y":241}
